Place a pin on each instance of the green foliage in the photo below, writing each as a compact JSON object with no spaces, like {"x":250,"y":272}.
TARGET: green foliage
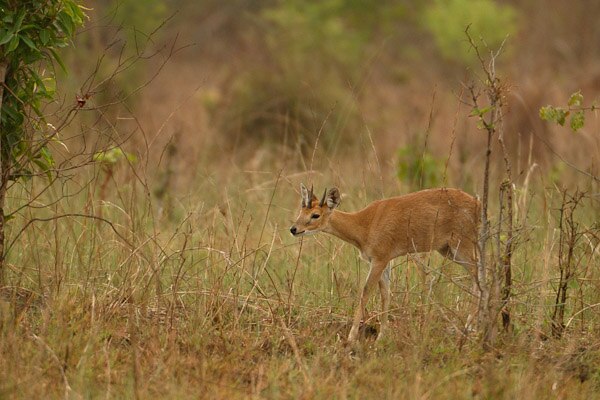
{"x":138,"y":33}
{"x":417,"y":167}
{"x":328,"y":36}
{"x":111,"y":157}
{"x":554,"y":114}
{"x":577,"y":121}
{"x":142,"y":16}
{"x":480,"y":112}
{"x":317,"y":34}
{"x":268,"y":105}
{"x":576,"y":99}
{"x":30,"y":36}
{"x":448,"y":19}
{"x":575,"y":111}
{"x":314,"y":56}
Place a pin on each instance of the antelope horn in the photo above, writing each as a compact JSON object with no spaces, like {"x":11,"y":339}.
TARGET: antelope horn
{"x":310,"y":196}
{"x":323,"y":198}
{"x":303,"y":193}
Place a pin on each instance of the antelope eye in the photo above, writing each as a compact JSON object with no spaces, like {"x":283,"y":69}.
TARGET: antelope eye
{"x":315,"y":216}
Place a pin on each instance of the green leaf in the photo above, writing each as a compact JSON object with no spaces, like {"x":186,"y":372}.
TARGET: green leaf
{"x":49,"y":86}
{"x":45,"y":161}
{"x":28,"y":42}
{"x":66,"y":23}
{"x":5,"y":36}
{"x":75,"y":12}
{"x":577,"y":121}
{"x":13,"y":44}
{"x":44,"y":36}
{"x":47,"y":156}
{"x":20,"y":18}
{"x":41,"y":164}
{"x":112,"y":156}
{"x":576,"y":99}
{"x":561,"y":116}
{"x":58,"y":60}
{"x":554,"y":114}
{"x":545,"y":113}
{"x":480,"y":112}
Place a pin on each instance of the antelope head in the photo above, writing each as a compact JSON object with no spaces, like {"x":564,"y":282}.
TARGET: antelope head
{"x":314,"y":213}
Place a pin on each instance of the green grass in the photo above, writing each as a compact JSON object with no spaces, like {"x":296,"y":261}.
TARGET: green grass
{"x":216,"y":300}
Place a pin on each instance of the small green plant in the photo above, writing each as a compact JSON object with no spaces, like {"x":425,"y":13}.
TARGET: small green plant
{"x":417,"y":167}
{"x":109,"y":159}
{"x":574,"y":111}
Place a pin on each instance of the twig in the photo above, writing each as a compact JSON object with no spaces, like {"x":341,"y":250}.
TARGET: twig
{"x":68,"y":215}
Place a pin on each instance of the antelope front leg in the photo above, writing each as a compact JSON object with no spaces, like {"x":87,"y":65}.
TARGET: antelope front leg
{"x":372,"y":279}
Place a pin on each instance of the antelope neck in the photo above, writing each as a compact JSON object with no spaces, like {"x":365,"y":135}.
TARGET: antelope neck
{"x":346,"y":226}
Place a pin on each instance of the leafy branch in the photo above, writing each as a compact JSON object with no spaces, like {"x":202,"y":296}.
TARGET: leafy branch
{"x":574,"y":111}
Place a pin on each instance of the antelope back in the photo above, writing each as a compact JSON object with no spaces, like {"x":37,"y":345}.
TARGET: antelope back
{"x":422,"y":221}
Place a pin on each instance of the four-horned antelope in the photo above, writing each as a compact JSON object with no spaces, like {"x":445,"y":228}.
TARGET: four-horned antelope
{"x":445,"y":220}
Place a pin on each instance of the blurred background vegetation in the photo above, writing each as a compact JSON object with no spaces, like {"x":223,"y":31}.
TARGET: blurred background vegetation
{"x":257,"y":79}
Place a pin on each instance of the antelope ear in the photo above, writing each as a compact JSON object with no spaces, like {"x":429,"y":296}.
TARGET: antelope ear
{"x":304,"y":194}
{"x":333,"y":198}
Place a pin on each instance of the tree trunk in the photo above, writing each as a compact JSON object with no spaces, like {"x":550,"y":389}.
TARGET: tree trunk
{"x":506,"y":256}
{"x":483,"y":317}
{"x":3,"y":176}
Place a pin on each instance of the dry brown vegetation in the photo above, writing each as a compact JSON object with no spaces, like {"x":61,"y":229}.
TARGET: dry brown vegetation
{"x":175,"y":275}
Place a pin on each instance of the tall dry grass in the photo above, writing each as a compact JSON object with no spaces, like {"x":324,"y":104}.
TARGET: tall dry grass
{"x":215,"y":299}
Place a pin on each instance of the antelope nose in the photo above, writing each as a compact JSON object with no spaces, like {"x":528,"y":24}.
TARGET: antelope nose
{"x":293,"y":230}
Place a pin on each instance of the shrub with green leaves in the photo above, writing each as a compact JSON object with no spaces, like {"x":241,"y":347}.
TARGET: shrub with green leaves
{"x":30,"y":35}
{"x":31,"y":32}
{"x":486,"y":19}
